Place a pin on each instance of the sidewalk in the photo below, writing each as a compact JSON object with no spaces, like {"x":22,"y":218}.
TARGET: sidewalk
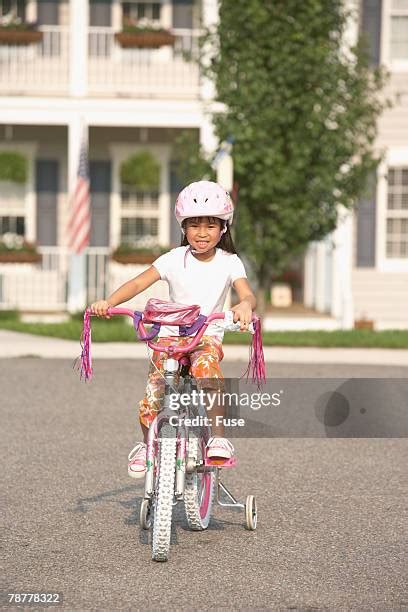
{"x":16,"y":344}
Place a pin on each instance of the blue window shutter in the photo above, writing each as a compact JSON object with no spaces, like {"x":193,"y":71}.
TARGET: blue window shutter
{"x":47,"y":12}
{"x":100,"y":13}
{"x":183,"y":14}
{"x":371,"y":28}
{"x":100,"y":175}
{"x":366,"y":227}
{"x":47,"y":187}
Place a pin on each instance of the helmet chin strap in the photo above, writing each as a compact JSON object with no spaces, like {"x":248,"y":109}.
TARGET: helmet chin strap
{"x":194,"y":251}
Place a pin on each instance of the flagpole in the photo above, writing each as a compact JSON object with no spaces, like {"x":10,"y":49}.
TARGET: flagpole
{"x":224,"y":166}
{"x":77,"y":290}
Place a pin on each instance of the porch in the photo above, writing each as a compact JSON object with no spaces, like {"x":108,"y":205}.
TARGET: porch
{"x":45,"y":68}
{"x":41,"y":289}
{"x":43,"y":286}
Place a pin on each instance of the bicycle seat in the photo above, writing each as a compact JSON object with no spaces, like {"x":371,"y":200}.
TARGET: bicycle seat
{"x":170,"y":313}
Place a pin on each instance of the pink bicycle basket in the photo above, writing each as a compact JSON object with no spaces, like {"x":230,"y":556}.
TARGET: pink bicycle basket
{"x":169,"y":313}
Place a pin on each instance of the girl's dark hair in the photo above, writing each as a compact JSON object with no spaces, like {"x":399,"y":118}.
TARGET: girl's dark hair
{"x":225,"y":243}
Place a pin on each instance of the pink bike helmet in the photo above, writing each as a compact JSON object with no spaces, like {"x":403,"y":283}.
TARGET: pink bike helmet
{"x":204,"y":199}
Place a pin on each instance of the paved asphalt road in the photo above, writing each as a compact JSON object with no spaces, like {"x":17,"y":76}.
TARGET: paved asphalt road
{"x":333,"y":515}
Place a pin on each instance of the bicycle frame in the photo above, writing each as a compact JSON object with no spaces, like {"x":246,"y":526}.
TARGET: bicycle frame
{"x":182,"y":430}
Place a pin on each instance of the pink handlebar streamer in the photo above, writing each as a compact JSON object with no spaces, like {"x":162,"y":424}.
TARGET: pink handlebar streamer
{"x":86,"y":358}
{"x":256,"y":365}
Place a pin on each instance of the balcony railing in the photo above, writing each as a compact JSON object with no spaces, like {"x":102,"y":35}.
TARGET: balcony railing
{"x":167,"y":71}
{"x":43,"y":68}
{"x":38,"y":68}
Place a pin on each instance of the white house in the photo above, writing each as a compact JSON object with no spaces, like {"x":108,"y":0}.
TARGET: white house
{"x":133,"y":99}
{"x":361,"y":271}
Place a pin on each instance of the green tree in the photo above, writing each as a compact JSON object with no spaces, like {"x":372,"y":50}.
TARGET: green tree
{"x":302,"y":107}
{"x":190,"y":161}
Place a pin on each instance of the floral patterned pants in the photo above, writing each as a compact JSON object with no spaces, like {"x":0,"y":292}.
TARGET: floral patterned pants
{"x":205,"y":363}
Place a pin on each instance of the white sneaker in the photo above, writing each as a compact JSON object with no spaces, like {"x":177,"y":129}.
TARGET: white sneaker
{"x":137,"y":461}
{"x":219,"y":447}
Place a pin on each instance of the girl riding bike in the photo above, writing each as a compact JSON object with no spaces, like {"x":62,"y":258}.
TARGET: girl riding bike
{"x":200,"y":271}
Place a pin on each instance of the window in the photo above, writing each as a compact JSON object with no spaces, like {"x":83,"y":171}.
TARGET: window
{"x":15,"y":225}
{"x":140,"y":217}
{"x":134,"y":11}
{"x":17,"y":7}
{"x":12,"y":208}
{"x":397,"y":213}
{"x":399,"y":30}
{"x":137,"y":200}
{"x":139,"y":231}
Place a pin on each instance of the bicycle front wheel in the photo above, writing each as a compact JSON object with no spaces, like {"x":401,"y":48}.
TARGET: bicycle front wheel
{"x":164,"y":494}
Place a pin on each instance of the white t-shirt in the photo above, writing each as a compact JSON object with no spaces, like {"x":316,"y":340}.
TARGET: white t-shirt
{"x":205,"y":283}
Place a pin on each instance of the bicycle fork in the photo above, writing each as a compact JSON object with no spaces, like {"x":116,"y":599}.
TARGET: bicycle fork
{"x":154,"y":433}
{"x":181,"y":462}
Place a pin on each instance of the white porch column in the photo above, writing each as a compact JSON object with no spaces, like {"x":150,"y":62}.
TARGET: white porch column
{"x":320,"y":295}
{"x":342,"y":294}
{"x":77,"y":263}
{"x":225,"y":177}
{"x":309,"y":267}
{"x":117,"y":15}
{"x":31,"y":11}
{"x":31,"y":197}
{"x":207,"y":89}
{"x":224,"y":166}
{"x":164,"y":223}
{"x":79,"y":22}
{"x":167,"y":13}
{"x":208,"y":140}
{"x":336,"y":299}
{"x":210,"y":19}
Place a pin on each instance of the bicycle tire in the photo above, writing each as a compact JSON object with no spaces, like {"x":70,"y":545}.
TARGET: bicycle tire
{"x":164,"y":494}
{"x":199,"y":488}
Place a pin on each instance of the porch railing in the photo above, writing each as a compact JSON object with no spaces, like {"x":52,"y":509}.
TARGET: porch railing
{"x":43,"y":68}
{"x":36,"y":68}
{"x":44,"y":286}
{"x":165,"y":71}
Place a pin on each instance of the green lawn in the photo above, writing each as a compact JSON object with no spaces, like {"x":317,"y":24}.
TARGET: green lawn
{"x":117,"y":330}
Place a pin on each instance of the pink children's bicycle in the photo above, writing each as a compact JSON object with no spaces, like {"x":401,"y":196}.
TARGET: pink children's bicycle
{"x":177,"y":467}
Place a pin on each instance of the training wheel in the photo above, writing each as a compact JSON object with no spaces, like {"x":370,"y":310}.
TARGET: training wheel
{"x":146,"y":514}
{"x":250,"y":513}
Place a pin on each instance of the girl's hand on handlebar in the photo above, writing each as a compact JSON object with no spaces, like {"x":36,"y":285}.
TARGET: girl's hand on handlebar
{"x":100,"y":308}
{"x":243,"y":314}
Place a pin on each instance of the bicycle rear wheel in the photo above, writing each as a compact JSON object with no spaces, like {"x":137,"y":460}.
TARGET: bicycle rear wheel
{"x":199,"y":488}
{"x":164,"y":493}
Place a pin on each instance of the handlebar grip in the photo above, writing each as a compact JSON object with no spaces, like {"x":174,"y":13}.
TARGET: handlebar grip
{"x":237,"y":327}
{"x":229,"y":325}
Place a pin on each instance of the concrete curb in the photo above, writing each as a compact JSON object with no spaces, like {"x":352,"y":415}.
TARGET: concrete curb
{"x":16,"y":344}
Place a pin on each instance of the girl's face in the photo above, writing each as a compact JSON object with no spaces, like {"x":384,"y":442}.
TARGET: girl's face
{"x":203,"y":233}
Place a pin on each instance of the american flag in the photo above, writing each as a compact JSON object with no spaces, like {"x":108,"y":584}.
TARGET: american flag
{"x":79,"y":226}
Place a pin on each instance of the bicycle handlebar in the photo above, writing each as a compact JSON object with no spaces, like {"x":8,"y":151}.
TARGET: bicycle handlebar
{"x":256,"y":365}
{"x":144,"y":335}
